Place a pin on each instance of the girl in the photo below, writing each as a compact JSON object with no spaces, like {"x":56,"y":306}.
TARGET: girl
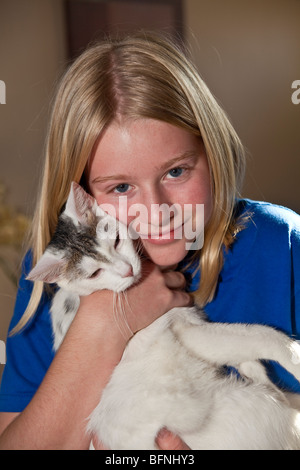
{"x":133,"y":118}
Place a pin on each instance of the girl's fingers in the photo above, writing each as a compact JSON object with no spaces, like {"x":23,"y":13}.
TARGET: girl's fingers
{"x":166,"y":440}
{"x":174,"y":280}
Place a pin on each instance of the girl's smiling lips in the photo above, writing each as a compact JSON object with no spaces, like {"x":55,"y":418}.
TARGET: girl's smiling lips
{"x":165,"y":236}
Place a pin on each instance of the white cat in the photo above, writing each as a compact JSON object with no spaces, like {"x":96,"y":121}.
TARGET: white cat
{"x":172,"y":372}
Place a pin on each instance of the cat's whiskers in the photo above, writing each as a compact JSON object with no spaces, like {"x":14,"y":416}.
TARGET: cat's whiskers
{"x":139,"y":247}
{"x":119,"y":314}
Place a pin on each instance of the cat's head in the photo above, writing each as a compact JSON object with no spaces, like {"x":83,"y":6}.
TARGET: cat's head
{"x":90,"y":250}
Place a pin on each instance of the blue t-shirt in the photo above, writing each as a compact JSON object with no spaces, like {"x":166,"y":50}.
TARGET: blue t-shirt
{"x":259,"y":283}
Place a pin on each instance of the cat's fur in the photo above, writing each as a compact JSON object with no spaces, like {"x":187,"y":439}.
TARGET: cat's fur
{"x":172,"y":372}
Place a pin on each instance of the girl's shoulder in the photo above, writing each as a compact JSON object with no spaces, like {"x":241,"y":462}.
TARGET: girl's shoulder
{"x":29,"y":351}
{"x":267,"y":221}
{"x":266,"y":232}
{"x":267,"y":212}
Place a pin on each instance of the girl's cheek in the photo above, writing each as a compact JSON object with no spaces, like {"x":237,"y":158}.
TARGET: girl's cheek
{"x":118,"y":209}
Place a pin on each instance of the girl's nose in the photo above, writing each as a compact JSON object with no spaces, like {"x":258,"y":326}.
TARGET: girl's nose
{"x":161,"y":215}
{"x":158,"y":207}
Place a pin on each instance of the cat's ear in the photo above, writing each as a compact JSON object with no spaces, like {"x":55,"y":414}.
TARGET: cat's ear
{"x":49,"y":268}
{"x":79,"y":203}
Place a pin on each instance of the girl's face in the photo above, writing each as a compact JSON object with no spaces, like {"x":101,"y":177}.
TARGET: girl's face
{"x":139,"y":170}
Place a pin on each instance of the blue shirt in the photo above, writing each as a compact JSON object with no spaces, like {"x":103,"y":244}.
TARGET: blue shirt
{"x":259,"y":283}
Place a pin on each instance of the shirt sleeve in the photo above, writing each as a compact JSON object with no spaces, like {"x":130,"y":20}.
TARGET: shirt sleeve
{"x":29,"y":352}
{"x":295,"y":281}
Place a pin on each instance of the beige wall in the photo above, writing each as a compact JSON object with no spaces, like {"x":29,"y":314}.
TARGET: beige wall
{"x":32,"y":55}
{"x":32,"y":49}
{"x":247,"y":51}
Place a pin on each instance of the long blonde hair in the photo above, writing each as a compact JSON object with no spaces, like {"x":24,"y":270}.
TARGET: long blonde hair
{"x":139,"y":76}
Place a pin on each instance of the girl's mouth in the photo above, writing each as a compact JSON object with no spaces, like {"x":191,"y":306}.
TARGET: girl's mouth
{"x":163,"y":237}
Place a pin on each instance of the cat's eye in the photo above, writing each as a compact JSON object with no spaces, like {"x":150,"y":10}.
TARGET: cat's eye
{"x":117,"y":241}
{"x":95,"y":273}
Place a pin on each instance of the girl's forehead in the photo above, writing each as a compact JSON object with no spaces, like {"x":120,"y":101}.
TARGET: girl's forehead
{"x":143,"y":142}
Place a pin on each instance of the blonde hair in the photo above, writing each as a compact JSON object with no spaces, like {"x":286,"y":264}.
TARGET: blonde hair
{"x":139,"y":76}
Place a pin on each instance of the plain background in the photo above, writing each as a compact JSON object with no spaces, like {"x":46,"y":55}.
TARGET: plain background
{"x":246,"y":51}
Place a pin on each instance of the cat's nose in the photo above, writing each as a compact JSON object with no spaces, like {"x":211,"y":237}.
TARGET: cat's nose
{"x":124,"y":269}
{"x":129,"y":273}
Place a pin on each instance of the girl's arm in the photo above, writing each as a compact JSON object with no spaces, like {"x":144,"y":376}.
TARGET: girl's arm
{"x":56,"y":417}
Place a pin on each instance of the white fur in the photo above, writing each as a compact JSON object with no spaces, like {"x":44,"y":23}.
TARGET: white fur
{"x":170,"y":373}
{"x":164,"y":381}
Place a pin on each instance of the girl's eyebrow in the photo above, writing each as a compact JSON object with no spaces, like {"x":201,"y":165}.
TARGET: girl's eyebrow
{"x":173,"y":161}
{"x":168,"y":164}
{"x":102,"y":179}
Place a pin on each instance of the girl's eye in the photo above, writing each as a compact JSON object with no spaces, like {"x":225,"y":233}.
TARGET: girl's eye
{"x":176,"y":172}
{"x":121,"y":188}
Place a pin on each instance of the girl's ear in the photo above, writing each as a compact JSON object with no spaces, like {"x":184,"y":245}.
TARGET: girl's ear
{"x":79,"y":203}
{"x":49,"y":268}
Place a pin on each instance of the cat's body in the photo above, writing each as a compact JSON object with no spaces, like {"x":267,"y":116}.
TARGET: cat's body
{"x":162,"y":383}
{"x":172,"y":372}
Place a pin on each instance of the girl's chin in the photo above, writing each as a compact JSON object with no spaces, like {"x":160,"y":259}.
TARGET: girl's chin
{"x":166,"y":254}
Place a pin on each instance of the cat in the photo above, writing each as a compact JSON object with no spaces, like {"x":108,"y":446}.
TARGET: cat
{"x":172,"y":372}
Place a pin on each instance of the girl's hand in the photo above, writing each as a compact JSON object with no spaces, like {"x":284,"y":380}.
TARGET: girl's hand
{"x":165,"y":440}
{"x":155,"y":294}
